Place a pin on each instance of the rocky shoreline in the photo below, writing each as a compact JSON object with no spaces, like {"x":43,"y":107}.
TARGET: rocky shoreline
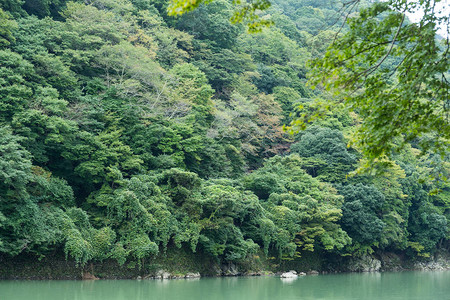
{"x":197,"y":267}
{"x":394,"y":262}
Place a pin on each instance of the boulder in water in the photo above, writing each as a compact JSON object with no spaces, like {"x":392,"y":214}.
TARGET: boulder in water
{"x":290,"y":274}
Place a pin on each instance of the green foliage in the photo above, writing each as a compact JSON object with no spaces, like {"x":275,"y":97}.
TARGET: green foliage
{"x":402,"y":97}
{"x":15,"y":165}
{"x":325,"y":152}
{"x":286,"y":97}
{"x":305,"y":210}
{"x":180,"y":184}
{"x":6,"y":27}
{"x":211,"y":23}
{"x":281,"y":62}
{"x":428,"y":227}
{"x":193,"y":88}
{"x":124,"y":132}
{"x":246,"y":11}
{"x":15,"y":92}
{"x":360,"y":214}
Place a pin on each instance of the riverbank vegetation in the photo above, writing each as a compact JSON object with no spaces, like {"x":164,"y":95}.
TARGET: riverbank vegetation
{"x":125,"y":131}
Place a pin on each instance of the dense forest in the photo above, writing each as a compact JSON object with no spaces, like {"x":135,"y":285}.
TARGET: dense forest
{"x":125,"y":132}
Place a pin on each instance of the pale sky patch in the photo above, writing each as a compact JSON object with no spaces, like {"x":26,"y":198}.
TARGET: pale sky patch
{"x":442,"y":9}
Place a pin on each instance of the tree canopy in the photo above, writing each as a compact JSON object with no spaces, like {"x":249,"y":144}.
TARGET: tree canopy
{"x":126,"y":133}
{"x":393,"y":72}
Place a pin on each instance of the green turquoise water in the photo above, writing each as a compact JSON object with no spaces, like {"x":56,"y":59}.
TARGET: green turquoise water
{"x":379,"y":286}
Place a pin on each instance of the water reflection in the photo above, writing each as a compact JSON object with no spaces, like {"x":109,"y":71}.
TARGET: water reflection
{"x":371,"y":286}
{"x":288,"y":280}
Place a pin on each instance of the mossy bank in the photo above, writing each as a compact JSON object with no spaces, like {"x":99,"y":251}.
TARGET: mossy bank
{"x":179,"y":263}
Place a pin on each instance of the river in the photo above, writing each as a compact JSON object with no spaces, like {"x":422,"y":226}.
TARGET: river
{"x":370,"y":286}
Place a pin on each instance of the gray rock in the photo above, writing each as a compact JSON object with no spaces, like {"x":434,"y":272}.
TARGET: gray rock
{"x":391,"y":262}
{"x":161,"y":274}
{"x":438,"y":264}
{"x":313,"y":272}
{"x":365,"y":263}
{"x":251,"y":273}
{"x":290,"y":274}
{"x":192,"y":275}
{"x":217,"y":271}
{"x":230,"y":270}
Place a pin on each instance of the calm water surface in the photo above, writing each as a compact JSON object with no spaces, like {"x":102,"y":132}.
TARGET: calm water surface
{"x":379,"y":286}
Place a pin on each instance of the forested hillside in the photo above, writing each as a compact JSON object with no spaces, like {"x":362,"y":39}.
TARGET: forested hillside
{"x":125,"y":132}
